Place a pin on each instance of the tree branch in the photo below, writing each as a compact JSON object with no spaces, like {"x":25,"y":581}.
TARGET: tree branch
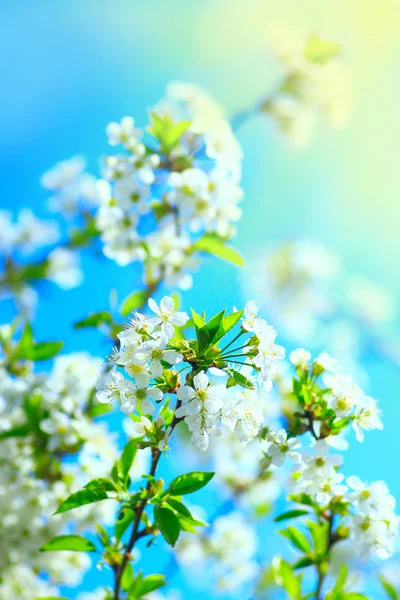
{"x":135,"y":533}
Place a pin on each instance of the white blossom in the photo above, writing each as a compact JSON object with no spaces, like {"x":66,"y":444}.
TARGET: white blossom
{"x":300,"y":358}
{"x":167,"y":316}
{"x":268,"y":355}
{"x":123,"y":133}
{"x":202,"y":404}
{"x":153,"y":352}
{"x":244,"y":414}
{"x":279,"y":448}
{"x":366,"y":417}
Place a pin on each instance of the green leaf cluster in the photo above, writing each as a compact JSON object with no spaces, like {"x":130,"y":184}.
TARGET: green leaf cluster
{"x":170,"y":514}
{"x":166,"y":132}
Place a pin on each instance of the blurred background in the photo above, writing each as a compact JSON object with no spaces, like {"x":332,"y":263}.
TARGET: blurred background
{"x":69,"y":68}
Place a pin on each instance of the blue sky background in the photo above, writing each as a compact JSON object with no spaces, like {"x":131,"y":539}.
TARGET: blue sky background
{"x":68,"y":68}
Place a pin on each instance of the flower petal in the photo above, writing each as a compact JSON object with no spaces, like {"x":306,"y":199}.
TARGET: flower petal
{"x":153,"y":305}
{"x":167,"y":305}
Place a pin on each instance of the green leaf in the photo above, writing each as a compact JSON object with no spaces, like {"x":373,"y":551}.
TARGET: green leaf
{"x":214,"y":245}
{"x":321,"y":51}
{"x":186,"y":519}
{"x":240,"y":379}
{"x":291,"y":583}
{"x":101,"y":484}
{"x":44,"y":350}
{"x":214,"y":324}
{"x":304,"y":562}
{"x":24,"y":344}
{"x":201,"y":331}
{"x":125,"y":519}
{"x":149,"y":584}
{"x":227,"y":324}
{"x":167,"y":132}
{"x":127,"y":578}
{"x":354,"y":596}
{"x":291,"y":514}
{"x":127,"y":458}
{"x":69,"y":542}
{"x":133,"y":302}
{"x":168,"y":524}
{"x":94,"y":320}
{"x":51,"y":598}
{"x":103,"y":535}
{"x":34,"y":270}
{"x":297,"y":538}
{"x":81,"y":498}
{"x":388,"y":587}
{"x":179,"y":507}
{"x":319,"y":535}
{"x":98,"y":410}
{"x":189,"y":483}
{"x":341,"y":580}
{"x":21,"y":431}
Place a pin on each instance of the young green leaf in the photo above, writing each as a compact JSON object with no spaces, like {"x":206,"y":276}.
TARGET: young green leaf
{"x":21,"y":431}
{"x":125,"y":519}
{"x":240,"y":379}
{"x":202,"y":334}
{"x":127,"y":578}
{"x":319,"y":532}
{"x":189,"y":483}
{"x":321,"y":51}
{"x":25,"y":343}
{"x":291,"y":583}
{"x":214,"y":324}
{"x":94,"y":320}
{"x":127,"y":458}
{"x":101,"y":484}
{"x":149,"y":584}
{"x":44,"y":350}
{"x":186,"y":519}
{"x":168,"y":524}
{"x":291,"y":514}
{"x":86,"y":496}
{"x":132,"y":302}
{"x":388,"y":587}
{"x":341,"y":580}
{"x":103,"y":535}
{"x":297,"y":538}
{"x":75,"y":543}
{"x":227,"y":324}
{"x":214,"y":245}
{"x":167,"y":132}
{"x":304,"y":562}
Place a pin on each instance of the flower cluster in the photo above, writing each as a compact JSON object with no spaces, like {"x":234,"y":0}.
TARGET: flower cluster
{"x":295,"y":279}
{"x":326,"y":402}
{"x":313,"y":300}
{"x":26,"y":238}
{"x":229,"y":549}
{"x":364,"y":515}
{"x":44,"y":417}
{"x":373,"y":526}
{"x":314,"y":82}
{"x":150,"y":349}
{"x":162,"y":194}
{"x":74,"y":189}
{"x":27,"y":235}
{"x":334,"y":402}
